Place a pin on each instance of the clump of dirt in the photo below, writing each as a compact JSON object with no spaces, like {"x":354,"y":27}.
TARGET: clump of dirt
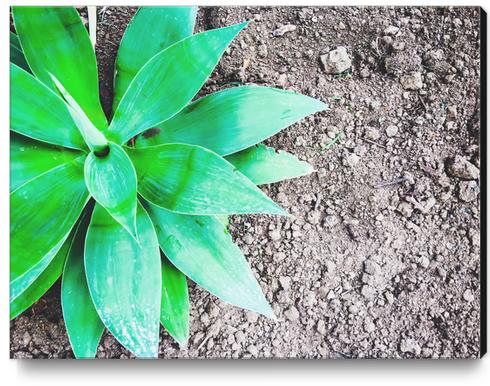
{"x":381,"y":258}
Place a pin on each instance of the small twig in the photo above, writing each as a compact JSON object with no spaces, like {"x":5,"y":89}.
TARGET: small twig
{"x":332,"y":142}
{"x":373,"y":143}
{"x":390,"y":183}
{"x":423,"y":103}
{"x":102,"y":12}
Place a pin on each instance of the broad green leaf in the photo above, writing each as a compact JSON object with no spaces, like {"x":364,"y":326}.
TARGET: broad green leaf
{"x":39,"y":113}
{"x":175,"y":303}
{"x":234,"y":119}
{"x":265,"y":165}
{"x":192,"y":180}
{"x":125,"y":280}
{"x":20,"y":283}
{"x":30,"y":158}
{"x":92,"y":136}
{"x":16,"y":55}
{"x":168,"y":81}
{"x":201,"y":248}
{"x":42,"y":283}
{"x":150,"y":31}
{"x":42,"y":214}
{"x":111,"y":180}
{"x":82,"y":322}
{"x":54,"y":40}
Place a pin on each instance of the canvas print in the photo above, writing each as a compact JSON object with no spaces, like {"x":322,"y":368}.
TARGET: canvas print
{"x":245,"y":182}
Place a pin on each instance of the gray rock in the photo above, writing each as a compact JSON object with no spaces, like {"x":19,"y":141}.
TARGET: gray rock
{"x":371,"y":133}
{"x":251,"y":317}
{"x":412,"y":81}
{"x":351,"y":160}
{"x":336,"y":61}
{"x":291,"y":314}
{"x":468,"y":295}
{"x":262,"y":51}
{"x":391,"y":30}
{"x":253,"y":350}
{"x":369,"y":326}
{"x":330,"y":266}
{"x":284,"y":29}
{"x":331,"y":220}
{"x":405,"y":209}
{"x":462,"y":168}
{"x":321,"y":328}
{"x":410,"y":346}
{"x":314,"y":217}
{"x":371,"y":267}
{"x":367,"y":291}
{"x":285,"y":282}
{"x":275,"y":235}
{"x":391,"y":131}
{"x":248,"y":239}
{"x":468,"y":191}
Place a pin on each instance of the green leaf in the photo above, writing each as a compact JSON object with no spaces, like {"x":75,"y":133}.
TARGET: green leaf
{"x":175,"y":303}
{"x":54,"y":40}
{"x":263,"y":165}
{"x":82,"y":322}
{"x":39,"y":113}
{"x":168,"y":81}
{"x":125,"y":280}
{"x":234,"y":119}
{"x":30,"y":158}
{"x":42,"y":283}
{"x":201,"y":248}
{"x":16,"y":55}
{"x":150,"y":31}
{"x":20,"y":283}
{"x":192,"y":180}
{"x":111,"y":180}
{"x":92,"y":136}
{"x":42,"y":214}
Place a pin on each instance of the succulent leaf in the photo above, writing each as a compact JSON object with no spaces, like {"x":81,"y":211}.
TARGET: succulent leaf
{"x":150,"y":31}
{"x":192,"y":180}
{"x":174,"y":314}
{"x":234,"y":119}
{"x":201,"y":248}
{"x":125,"y":280}
{"x":265,"y":165}
{"x":92,"y":136}
{"x":168,"y":81}
{"x":16,"y":55}
{"x":111,"y":180}
{"x":42,"y":283}
{"x":54,"y":40}
{"x":43,"y":212}
{"x":30,"y":158}
{"x":82,"y":322}
{"x":39,"y":113}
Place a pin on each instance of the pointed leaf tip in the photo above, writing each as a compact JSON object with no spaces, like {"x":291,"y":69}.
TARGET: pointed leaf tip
{"x":180,"y":70}
{"x":192,"y":180}
{"x":234,"y":119}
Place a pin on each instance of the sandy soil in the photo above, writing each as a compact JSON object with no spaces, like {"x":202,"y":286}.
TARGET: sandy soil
{"x":382,"y":256}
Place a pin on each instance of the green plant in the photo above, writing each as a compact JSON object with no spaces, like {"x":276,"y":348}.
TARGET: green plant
{"x":124,"y":210}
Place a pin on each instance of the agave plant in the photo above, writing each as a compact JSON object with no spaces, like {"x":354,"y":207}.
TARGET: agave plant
{"x":124,"y":210}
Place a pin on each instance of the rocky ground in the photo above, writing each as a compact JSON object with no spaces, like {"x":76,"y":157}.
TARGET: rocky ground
{"x":381,"y":259}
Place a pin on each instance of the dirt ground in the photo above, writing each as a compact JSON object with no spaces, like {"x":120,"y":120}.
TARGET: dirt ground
{"x":381,"y":259}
